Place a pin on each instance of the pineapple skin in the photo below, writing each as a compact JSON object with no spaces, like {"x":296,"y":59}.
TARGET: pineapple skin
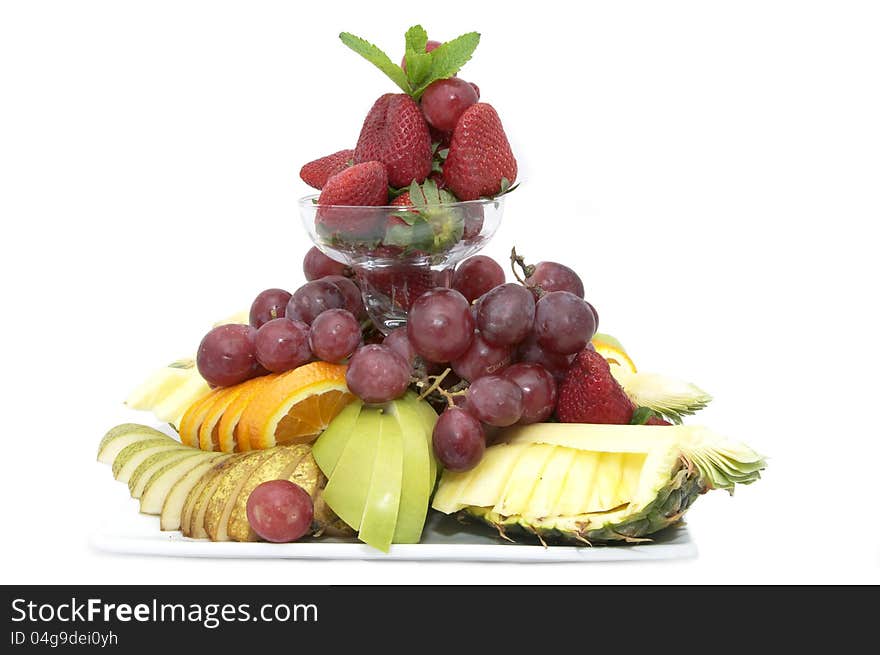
{"x":667,"y":509}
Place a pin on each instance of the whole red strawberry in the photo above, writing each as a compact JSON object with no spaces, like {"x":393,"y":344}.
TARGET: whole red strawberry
{"x":361,"y":185}
{"x":479,"y":154}
{"x":590,"y":394}
{"x":316,"y":173}
{"x":396,"y":134}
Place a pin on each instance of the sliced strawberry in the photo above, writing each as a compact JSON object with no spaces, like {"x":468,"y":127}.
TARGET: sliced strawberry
{"x":316,"y":173}
{"x":479,"y":154}
{"x":396,"y":134}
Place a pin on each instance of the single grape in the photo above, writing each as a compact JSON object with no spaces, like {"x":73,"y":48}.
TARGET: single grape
{"x":399,"y":343}
{"x":458,"y":440}
{"x":282,"y":344}
{"x":595,"y":316}
{"x":444,"y":101}
{"x":226,"y":355}
{"x":482,"y":358}
{"x":476,"y":276}
{"x":506,"y":314}
{"x":476,"y":90}
{"x":564,"y":323}
{"x":354,"y":301}
{"x":269,"y":304}
{"x":551,"y":276}
{"x":377,"y":374}
{"x":335,"y":335}
{"x":280,"y":511}
{"x":495,"y":401}
{"x":538,"y":391}
{"x":317,"y":265}
{"x":312,"y":298}
{"x":439,"y":325}
{"x":530,"y":351}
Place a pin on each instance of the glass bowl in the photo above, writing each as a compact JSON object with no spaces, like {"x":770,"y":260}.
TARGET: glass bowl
{"x":397,"y":253}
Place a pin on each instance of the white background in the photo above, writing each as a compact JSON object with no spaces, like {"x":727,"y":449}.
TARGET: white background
{"x":710,"y":169}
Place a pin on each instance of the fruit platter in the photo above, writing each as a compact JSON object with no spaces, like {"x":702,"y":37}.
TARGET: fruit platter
{"x":413,"y":382}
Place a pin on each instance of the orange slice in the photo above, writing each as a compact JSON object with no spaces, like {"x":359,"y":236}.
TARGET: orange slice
{"x":612,"y":350}
{"x":193,"y":417}
{"x":209,"y":432}
{"x":296,"y":407}
{"x":229,"y":437}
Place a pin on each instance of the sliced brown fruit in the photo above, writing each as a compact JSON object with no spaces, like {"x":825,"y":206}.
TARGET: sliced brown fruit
{"x":223,"y":495}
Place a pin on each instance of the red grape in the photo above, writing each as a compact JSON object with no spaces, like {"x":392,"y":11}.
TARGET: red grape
{"x":482,"y":358}
{"x":354,"y":301}
{"x":445,"y":100}
{"x":476,"y":276}
{"x":335,"y":335}
{"x":551,"y":276}
{"x":399,"y":343}
{"x":458,"y":440}
{"x":495,"y":401}
{"x":313,"y":298}
{"x":530,"y":351}
{"x":226,"y":355}
{"x":506,"y":314}
{"x":282,"y":344}
{"x":538,"y":391}
{"x":595,"y":316}
{"x":269,"y":304}
{"x":440,"y":326}
{"x":476,"y":90}
{"x":317,"y":265}
{"x":280,"y":511}
{"x":564,"y":323}
{"x":377,"y":374}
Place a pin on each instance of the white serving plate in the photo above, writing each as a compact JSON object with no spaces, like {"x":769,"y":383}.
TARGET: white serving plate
{"x":444,"y":539}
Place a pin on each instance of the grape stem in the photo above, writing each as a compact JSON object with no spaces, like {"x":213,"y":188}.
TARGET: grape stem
{"x":517,"y":260}
{"x":430,"y":384}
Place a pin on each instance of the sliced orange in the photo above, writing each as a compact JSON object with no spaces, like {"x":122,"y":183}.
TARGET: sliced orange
{"x":296,"y":407}
{"x":612,"y":350}
{"x":229,"y":437}
{"x":193,"y":417}
{"x":209,"y":432}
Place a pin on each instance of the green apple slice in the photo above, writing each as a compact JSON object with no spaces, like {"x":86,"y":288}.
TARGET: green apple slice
{"x":153,"y":463}
{"x":124,"y":435}
{"x":130,"y":457}
{"x":174,"y":500}
{"x":416,"y":484}
{"x":164,"y":478}
{"x":346,"y":491}
{"x":429,"y":418}
{"x":219,"y":505}
{"x":330,"y":445}
{"x":383,"y":500}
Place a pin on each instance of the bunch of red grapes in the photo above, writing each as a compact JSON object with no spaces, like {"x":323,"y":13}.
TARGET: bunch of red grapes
{"x":510,"y":342}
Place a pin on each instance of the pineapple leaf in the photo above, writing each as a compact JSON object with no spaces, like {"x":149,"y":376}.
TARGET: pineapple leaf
{"x":378,"y":58}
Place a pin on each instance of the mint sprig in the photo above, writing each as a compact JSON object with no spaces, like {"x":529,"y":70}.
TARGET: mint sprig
{"x":422,"y":68}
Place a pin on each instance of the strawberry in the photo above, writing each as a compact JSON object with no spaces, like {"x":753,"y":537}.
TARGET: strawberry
{"x":361,"y":185}
{"x":590,"y":394}
{"x":316,"y":173}
{"x":396,"y":134}
{"x":479,"y":154}
{"x":656,"y":420}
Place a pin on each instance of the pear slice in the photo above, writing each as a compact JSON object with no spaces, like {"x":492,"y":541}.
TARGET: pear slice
{"x":124,"y":435}
{"x":174,"y":499}
{"x":130,"y":457}
{"x":329,"y":447}
{"x":153,"y":463}
{"x":383,"y":500}
{"x":198,"y":497}
{"x":160,"y":481}
{"x":416,"y":485}
{"x":278,"y":467}
{"x":347,"y":489}
{"x":219,"y":505}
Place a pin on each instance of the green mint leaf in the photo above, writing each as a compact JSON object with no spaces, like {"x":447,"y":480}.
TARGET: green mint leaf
{"x":378,"y":58}
{"x":416,"y":39}
{"x":447,"y":59}
{"x":418,"y":67}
